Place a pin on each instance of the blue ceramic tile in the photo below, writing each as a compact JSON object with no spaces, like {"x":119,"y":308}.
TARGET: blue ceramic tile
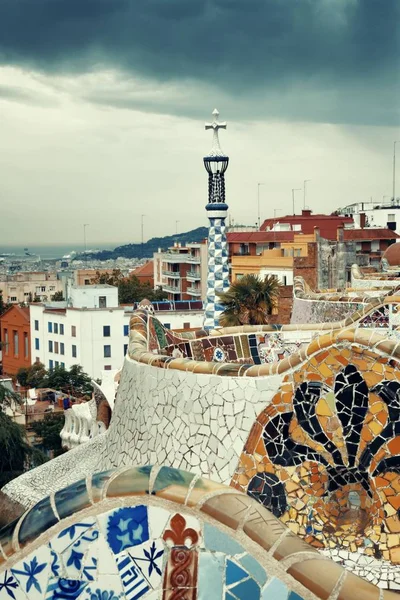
{"x":294,"y":596}
{"x":168,"y":476}
{"x":246,"y":589}
{"x":133,"y":582}
{"x":275,"y":590}
{"x":99,"y":481}
{"x":65,"y":588}
{"x":72,"y":498}
{"x":39,"y":519}
{"x":127,"y":527}
{"x":254,"y":568}
{"x":9,"y":586}
{"x":234,"y":573}
{"x":215,"y":540}
{"x":6,"y":536}
{"x":211,"y":575}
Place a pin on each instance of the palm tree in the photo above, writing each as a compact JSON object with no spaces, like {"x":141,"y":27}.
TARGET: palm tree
{"x":249,"y":301}
{"x":8,"y":398}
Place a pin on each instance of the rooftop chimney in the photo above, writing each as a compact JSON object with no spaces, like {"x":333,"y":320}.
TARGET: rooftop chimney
{"x":306,"y":212}
{"x":363,"y":220}
{"x":340,"y":234}
{"x":316,"y":232}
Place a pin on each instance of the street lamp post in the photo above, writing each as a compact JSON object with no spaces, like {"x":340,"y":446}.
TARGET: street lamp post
{"x":394,"y":171}
{"x":304,"y":191}
{"x":84,"y":238}
{"x":142,"y":228}
{"x":258,"y":204}
{"x":293,"y":191}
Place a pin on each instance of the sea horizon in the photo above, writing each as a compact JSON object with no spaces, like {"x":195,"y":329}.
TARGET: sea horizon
{"x":56,"y":251}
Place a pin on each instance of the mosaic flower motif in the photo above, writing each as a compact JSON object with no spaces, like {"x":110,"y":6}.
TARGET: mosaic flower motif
{"x":30,"y":571}
{"x":219,"y":355}
{"x":331,"y":456}
{"x":8,"y":584}
{"x":127,"y":527}
{"x":103,"y":595}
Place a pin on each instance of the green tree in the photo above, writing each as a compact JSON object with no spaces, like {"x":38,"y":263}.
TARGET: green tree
{"x":48,"y":429}
{"x":75,"y":381}
{"x":112,"y":278}
{"x":22,"y":376}
{"x":8,"y":398}
{"x":249,"y":301}
{"x":131,"y":290}
{"x":3,"y":305}
{"x":57,"y":297}
{"x":16,"y":455}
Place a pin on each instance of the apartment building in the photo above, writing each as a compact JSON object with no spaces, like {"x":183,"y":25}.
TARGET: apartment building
{"x":182,"y":271}
{"x":15,"y":337}
{"x":28,"y":286}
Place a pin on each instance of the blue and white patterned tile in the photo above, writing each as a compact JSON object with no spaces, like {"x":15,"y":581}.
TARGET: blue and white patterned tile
{"x":134,"y":584}
{"x":125,"y":527}
{"x":149,"y":558}
{"x":68,"y":536}
{"x":106,"y":587}
{"x":65,"y":588}
{"x":74,"y":555}
{"x":10,"y":588}
{"x":33,"y":572}
{"x":106,"y":564}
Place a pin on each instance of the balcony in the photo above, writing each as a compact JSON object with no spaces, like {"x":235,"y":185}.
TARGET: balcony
{"x":172,"y":289}
{"x":193,"y":276}
{"x":193,"y":259}
{"x":193,"y":291}
{"x":173,"y":274}
{"x":174,"y":258}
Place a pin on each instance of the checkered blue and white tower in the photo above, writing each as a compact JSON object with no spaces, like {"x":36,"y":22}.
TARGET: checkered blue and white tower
{"x":216,"y":163}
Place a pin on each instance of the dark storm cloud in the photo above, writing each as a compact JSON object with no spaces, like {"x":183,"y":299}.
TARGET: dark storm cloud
{"x":246,"y":47}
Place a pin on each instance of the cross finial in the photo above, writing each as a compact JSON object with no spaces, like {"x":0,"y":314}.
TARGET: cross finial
{"x":215,"y":126}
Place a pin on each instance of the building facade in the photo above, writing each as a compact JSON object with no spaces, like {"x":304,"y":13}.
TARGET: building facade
{"x":182,"y":271}
{"x":92,"y":330}
{"x":15,"y":337}
{"x":28,"y":286}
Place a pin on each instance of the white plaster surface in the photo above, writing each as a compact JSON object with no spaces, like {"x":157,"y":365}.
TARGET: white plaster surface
{"x":188,"y":421}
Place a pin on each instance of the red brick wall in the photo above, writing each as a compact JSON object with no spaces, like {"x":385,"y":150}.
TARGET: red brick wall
{"x":285,"y":305}
{"x":306,"y":266}
{"x":12,"y":321}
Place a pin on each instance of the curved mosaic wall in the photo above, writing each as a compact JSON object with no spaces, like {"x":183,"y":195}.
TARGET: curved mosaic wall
{"x":163,"y":534}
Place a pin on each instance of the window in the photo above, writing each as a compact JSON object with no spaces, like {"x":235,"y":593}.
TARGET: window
{"x":125,"y":349}
{"x":43,"y":288}
{"x":62,"y":349}
{"x":106,"y":331}
{"x":50,"y":346}
{"x":107,"y":367}
{"x":37,"y":344}
{"x":50,"y":327}
{"x":239,"y":276}
{"x":167,"y":325}
{"x":51,"y":288}
{"x":16,"y":343}
{"x":51,"y":364}
{"x":391,"y":217}
{"x":126,"y":329}
{"x":102,"y":302}
{"x":62,"y":365}
{"x":55,"y":347}
{"x":26,"y":294}
{"x":284,"y":280}
{"x":36,"y":325}
{"x":87,"y":282}
{"x":61,"y":329}
{"x":57,"y":364}
{"x":73,"y":351}
{"x":13,"y":298}
{"x":6,"y":339}
{"x":107,"y":351}
{"x":55,"y":327}
{"x":73,"y":330}
{"x":26,"y":348}
{"x":186,"y":326}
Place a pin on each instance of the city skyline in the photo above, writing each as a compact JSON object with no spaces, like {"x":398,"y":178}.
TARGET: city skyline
{"x":103,"y":114}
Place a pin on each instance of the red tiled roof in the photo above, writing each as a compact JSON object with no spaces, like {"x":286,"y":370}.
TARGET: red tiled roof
{"x":369,"y":234}
{"x":392,"y":254}
{"x":24,"y":310}
{"x":144,"y":270}
{"x":327,"y":224}
{"x":253,"y":237}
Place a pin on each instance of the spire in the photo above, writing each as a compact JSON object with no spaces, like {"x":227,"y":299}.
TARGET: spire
{"x":215,"y":126}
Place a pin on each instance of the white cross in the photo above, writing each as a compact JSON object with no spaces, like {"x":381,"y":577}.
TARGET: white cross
{"x":215,"y":125}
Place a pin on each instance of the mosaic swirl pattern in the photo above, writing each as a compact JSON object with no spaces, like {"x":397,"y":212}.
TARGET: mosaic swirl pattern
{"x":163,"y":534}
{"x":324,"y":456}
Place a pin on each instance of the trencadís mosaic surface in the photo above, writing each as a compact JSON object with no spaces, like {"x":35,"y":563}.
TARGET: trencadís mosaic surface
{"x":324,"y":457}
{"x":166,"y":534}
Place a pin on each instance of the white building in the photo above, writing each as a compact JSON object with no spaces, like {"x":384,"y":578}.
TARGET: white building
{"x":182,"y":271}
{"x":91,"y":329}
{"x":384,"y":215}
{"x":26,"y":286}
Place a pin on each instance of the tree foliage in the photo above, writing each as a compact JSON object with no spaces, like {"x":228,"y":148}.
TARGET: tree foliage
{"x":130,"y":289}
{"x":48,"y":429}
{"x":8,"y":397}
{"x":57,"y":297}
{"x":16,"y":455}
{"x":73,"y":381}
{"x":249,"y":301}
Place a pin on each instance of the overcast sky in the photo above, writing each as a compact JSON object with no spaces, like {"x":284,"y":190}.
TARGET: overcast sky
{"x":103,"y":104}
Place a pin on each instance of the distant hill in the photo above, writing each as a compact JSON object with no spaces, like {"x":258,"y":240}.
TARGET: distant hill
{"x":147,"y":250}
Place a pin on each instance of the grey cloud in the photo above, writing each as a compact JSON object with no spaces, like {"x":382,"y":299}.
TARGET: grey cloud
{"x":25,"y":96}
{"x":250,"y":49}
